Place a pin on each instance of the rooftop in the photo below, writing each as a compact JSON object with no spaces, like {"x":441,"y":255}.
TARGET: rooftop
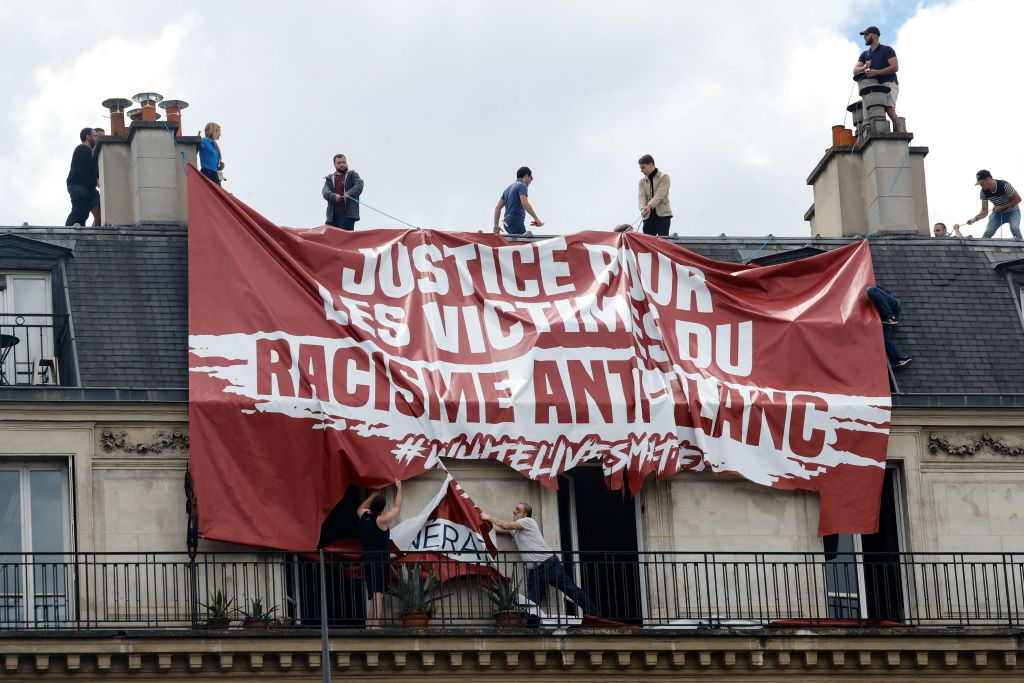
{"x":127,"y":289}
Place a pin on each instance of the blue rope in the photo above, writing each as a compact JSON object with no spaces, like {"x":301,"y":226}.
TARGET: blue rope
{"x":362,"y":203}
{"x":885,"y":199}
{"x":181,"y":152}
{"x":760,"y":248}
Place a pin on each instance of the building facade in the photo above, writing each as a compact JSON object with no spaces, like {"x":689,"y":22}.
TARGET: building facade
{"x":698,"y":576}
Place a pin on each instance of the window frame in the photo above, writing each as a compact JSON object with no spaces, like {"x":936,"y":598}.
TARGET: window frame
{"x":24,"y":467}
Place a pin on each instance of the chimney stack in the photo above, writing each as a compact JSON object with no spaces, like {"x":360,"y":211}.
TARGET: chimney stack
{"x":143,"y":170}
{"x":148,"y":101}
{"x":173,"y":109}
{"x":116,"y":106}
{"x":872,"y":183}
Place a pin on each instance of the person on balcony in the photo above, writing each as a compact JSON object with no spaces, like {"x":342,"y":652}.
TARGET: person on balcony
{"x":375,"y":534}
{"x":544,"y":568}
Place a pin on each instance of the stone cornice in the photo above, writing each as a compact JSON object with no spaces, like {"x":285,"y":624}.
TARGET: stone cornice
{"x":490,"y":655}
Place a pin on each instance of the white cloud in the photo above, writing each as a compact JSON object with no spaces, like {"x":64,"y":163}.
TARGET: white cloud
{"x":60,"y":99}
{"x":436,"y":104}
{"x":958,"y":69}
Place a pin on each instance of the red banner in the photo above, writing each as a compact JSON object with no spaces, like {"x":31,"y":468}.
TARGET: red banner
{"x":321,"y":359}
{"x":447,"y":535}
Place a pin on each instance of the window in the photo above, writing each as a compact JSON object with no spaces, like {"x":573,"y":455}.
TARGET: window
{"x":34,"y":534}
{"x":27,"y":323}
{"x":864,"y":578}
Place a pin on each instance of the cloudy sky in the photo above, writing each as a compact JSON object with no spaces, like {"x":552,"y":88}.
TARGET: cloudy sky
{"x":437,"y":103}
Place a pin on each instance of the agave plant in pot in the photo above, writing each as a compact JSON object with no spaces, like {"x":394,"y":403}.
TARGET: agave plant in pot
{"x":219,"y":612}
{"x":257,"y":617}
{"x":503,"y":593}
{"x":414,"y":591}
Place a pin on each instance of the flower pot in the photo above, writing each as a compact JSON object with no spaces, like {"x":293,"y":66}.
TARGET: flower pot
{"x":508,"y":619}
{"x":218,"y":623}
{"x":416,"y":619}
{"x":257,"y":624}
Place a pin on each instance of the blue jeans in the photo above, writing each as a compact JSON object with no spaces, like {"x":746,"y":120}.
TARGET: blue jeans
{"x":515,"y":226}
{"x":343,"y":222}
{"x":212,"y":175}
{"x":83,"y":199}
{"x":550,"y":572}
{"x":888,"y":307}
{"x":996,"y":220}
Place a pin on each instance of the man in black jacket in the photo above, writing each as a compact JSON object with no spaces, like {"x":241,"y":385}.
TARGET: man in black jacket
{"x":341,"y":190}
{"x":82,"y":180}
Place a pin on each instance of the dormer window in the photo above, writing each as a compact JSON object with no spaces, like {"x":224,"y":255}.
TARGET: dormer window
{"x":35,"y":338}
{"x":1014,"y":272}
{"x":27,"y":327}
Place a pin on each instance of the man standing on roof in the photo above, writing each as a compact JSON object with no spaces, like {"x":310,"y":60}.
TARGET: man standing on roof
{"x":83,"y":179}
{"x":653,"y":198}
{"x":516,"y":204}
{"x":1005,"y":207}
{"x":97,"y":135}
{"x":341,"y":190}
{"x":879,"y":62}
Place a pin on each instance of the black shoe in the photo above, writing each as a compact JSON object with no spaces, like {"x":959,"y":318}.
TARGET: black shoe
{"x":890,"y":321}
{"x":904,"y":362}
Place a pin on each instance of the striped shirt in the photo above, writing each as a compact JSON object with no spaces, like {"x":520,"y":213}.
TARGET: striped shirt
{"x":1000,"y":196}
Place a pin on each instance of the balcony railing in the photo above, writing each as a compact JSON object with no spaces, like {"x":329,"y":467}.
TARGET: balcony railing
{"x":85,"y":591}
{"x":35,"y":349}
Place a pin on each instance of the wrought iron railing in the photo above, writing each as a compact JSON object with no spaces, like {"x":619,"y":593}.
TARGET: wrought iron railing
{"x":693,"y":590}
{"x":35,"y":349}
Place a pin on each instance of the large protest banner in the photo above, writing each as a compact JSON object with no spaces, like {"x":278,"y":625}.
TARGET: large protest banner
{"x":321,"y":359}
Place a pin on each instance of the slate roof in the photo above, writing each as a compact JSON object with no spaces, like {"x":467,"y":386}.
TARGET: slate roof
{"x":128,"y":296}
{"x":961,"y":322}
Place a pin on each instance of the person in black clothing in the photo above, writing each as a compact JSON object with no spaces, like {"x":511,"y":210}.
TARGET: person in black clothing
{"x":82,"y":180}
{"x":97,"y":135}
{"x":373,"y":531}
{"x":889,"y":307}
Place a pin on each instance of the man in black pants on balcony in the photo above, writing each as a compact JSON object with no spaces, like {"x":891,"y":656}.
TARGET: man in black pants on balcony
{"x":544,"y":569}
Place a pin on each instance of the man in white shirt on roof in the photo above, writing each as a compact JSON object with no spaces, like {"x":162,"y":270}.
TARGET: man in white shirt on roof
{"x":543,"y":567}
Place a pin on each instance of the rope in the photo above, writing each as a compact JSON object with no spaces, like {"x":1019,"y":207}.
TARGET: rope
{"x":760,"y":248}
{"x":846,"y":112}
{"x":181,"y":152}
{"x":362,"y":203}
{"x":885,"y":199}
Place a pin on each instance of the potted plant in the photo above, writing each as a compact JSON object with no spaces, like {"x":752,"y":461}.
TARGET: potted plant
{"x":414,"y":591}
{"x":257,"y":617}
{"x":504,"y":596}
{"x":218,"y":610}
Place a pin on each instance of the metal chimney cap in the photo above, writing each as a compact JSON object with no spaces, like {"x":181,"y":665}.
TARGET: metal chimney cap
{"x":116,"y":102}
{"x":148,"y":97}
{"x":134,"y":114}
{"x":173,"y":104}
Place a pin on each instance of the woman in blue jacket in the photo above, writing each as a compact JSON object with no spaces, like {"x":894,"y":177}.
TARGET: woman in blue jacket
{"x":210,"y":162}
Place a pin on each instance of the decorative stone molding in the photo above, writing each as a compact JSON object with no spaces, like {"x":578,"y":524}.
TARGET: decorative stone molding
{"x":937,"y":444}
{"x":926,"y":655}
{"x":120,"y":442}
